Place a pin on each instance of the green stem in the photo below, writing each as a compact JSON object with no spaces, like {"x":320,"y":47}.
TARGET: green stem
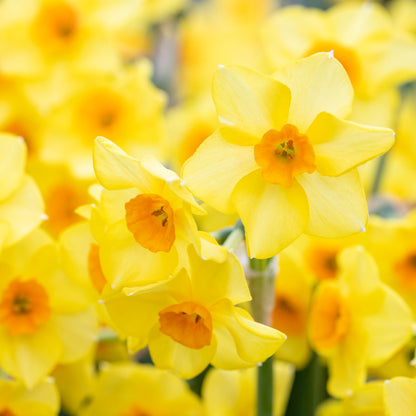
{"x":261,"y":277}
{"x":379,"y":174}
{"x":265,"y":388}
{"x":234,"y":239}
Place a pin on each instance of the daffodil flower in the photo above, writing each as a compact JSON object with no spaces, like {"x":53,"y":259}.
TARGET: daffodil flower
{"x":283,"y":158}
{"x":191,"y":320}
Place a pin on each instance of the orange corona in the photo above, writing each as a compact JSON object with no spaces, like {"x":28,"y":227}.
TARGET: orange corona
{"x":24,"y":307}
{"x":188,"y":323}
{"x":329,"y":318}
{"x":284,"y":154}
{"x":150,"y":219}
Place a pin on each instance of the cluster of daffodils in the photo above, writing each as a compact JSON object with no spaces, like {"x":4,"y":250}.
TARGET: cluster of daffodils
{"x":207,"y":208}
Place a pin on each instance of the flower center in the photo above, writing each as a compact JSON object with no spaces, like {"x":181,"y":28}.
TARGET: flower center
{"x":24,"y":307}
{"x":56,"y":26}
{"x":102,"y":112}
{"x":149,"y":218}
{"x":329,"y":318}
{"x":188,"y":323}
{"x":61,"y":201}
{"x":288,"y":315}
{"x":6,"y":412}
{"x":284,"y":154}
{"x":406,"y":271}
{"x":323,"y":262}
{"x":345,"y":55}
{"x":94,"y":268}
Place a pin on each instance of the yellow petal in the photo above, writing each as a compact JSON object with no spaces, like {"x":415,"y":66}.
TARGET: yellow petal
{"x":342,"y":145}
{"x":215,"y":168}
{"x":136,"y":315}
{"x":22,"y":210}
{"x":77,"y":333}
{"x":12,"y":166}
{"x":389,"y":329}
{"x":337,"y":206}
{"x":347,"y":368}
{"x":119,"y":252}
{"x":168,"y":354}
{"x":273,"y":216}
{"x":250,"y":101}
{"x":26,"y":358}
{"x":213,"y":281}
{"x":400,"y":396}
{"x":254,"y":342}
{"x":115,"y":169}
{"x":291,"y":31}
{"x":317,"y":83}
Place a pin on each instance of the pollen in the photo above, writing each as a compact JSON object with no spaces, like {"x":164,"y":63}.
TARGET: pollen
{"x":284,"y":154}
{"x":150,"y":219}
{"x":188,"y":323}
{"x":24,"y":307}
{"x":329,"y":318}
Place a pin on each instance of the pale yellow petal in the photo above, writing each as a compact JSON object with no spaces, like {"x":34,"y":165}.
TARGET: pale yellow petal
{"x":317,"y":83}
{"x":250,"y":101}
{"x":126,"y":262}
{"x":389,"y":329}
{"x":115,"y":169}
{"x":215,"y":168}
{"x":23,"y":210}
{"x":342,"y":145}
{"x":77,"y":332}
{"x":273,"y":216}
{"x":400,"y":396}
{"x":13,"y":162}
{"x":254,"y":342}
{"x":187,"y":362}
{"x":337,"y":206}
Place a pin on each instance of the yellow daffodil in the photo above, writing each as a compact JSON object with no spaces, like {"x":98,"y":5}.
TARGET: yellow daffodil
{"x":21,"y":204}
{"x":283,"y":157}
{"x":356,"y":321}
{"x":44,"y":317}
{"x":63,"y":194}
{"x":191,"y":321}
{"x":37,"y":36}
{"x":232,"y":393}
{"x":290,"y":313}
{"x":361,"y":36}
{"x":395,"y":397}
{"x":17,"y":400}
{"x":106,"y":106}
{"x":147,"y":215}
{"x":132,"y":389}
{"x":218,"y":32}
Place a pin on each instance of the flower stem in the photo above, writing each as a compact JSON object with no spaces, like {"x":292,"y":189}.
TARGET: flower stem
{"x":261,"y":277}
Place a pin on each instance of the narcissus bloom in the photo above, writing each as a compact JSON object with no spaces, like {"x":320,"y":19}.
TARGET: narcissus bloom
{"x":293,"y":290}
{"x":21,"y":204}
{"x":395,"y":397}
{"x":356,"y":321}
{"x":44,"y":317}
{"x":283,"y":157}
{"x":131,"y":389}
{"x":191,"y":321}
{"x":233,"y":393}
{"x":147,"y":217}
{"x":17,"y":400}
{"x":362,"y":36}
